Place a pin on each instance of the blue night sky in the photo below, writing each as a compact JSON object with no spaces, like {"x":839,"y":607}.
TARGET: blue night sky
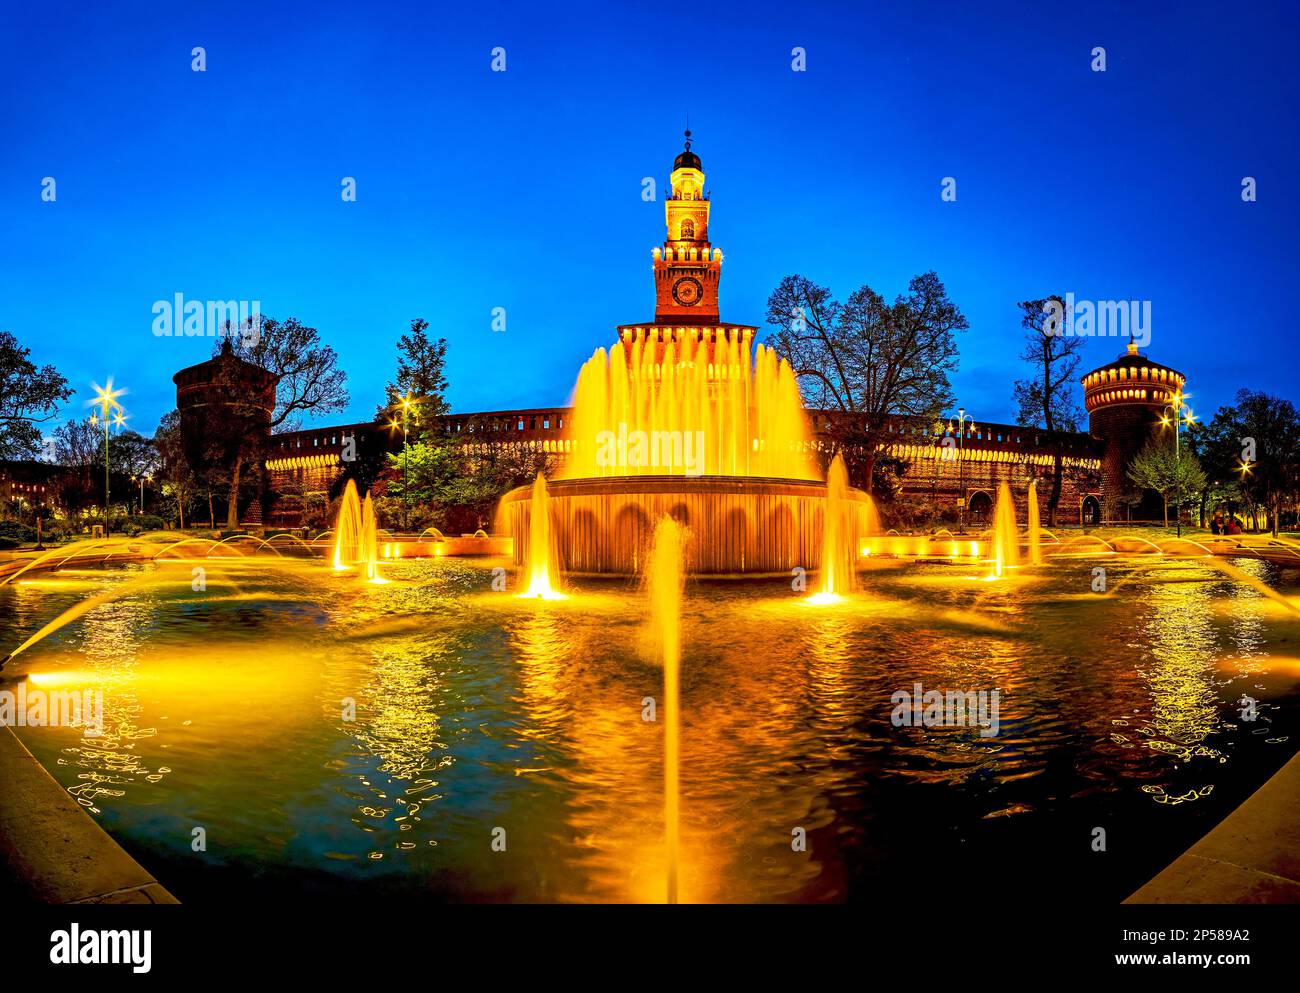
{"x":522,"y":189}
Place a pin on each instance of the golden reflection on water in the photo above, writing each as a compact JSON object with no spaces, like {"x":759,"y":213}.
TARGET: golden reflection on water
{"x":476,"y":710}
{"x":1181,"y":640}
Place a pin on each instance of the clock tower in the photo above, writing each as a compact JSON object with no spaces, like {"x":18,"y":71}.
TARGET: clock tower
{"x":687,"y":267}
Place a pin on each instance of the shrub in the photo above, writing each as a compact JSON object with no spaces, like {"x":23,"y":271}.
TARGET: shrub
{"x":17,"y":532}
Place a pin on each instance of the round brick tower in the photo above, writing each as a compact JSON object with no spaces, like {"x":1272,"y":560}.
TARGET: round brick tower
{"x":226,"y":405}
{"x":1124,"y":400}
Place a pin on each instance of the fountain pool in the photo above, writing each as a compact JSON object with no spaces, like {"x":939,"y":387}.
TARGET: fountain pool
{"x":477,"y":710}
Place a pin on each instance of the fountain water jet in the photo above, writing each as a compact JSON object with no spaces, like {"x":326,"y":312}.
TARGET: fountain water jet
{"x":356,"y":535}
{"x":665,"y":578}
{"x":839,"y":542}
{"x":347,"y":529}
{"x":369,"y":544}
{"x":1035,"y":529}
{"x":542,"y":563}
{"x":1006,"y":536}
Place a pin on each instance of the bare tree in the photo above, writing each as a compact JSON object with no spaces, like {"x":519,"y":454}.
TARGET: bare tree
{"x":1046,"y":400}
{"x":867,"y":360}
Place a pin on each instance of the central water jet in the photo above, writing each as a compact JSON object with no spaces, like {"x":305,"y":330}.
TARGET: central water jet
{"x":1006,"y":536}
{"x":541,"y":568}
{"x":665,"y":579}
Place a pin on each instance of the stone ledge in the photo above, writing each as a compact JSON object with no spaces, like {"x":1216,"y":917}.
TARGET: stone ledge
{"x":1252,"y":856}
{"x":52,"y":850}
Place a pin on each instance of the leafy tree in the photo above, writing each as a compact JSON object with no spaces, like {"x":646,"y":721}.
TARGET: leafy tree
{"x":866,"y":360}
{"x":1178,"y":475}
{"x":29,"y":396}
{"x":455,"y":485}
{"x":1046,"y":400}
{"x":421,"y":472}
{"x":1215,"y":445}
{"x":421,"y":377}
{"x":79,"y":449}
{"x":1268,"y":428}
{"x":132,"y":453}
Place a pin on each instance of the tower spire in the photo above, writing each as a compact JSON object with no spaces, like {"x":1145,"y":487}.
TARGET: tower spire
{"x":687,"y":267}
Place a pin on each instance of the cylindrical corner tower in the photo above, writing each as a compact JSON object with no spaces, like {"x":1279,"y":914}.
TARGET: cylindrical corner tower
{"x":1125,"y":399}
{"x":226,"y":405}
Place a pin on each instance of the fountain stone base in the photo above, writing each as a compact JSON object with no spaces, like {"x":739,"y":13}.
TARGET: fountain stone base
{"x":736,"y":525}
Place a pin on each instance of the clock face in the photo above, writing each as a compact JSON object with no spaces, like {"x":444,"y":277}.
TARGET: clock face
{"x":687,"y":291}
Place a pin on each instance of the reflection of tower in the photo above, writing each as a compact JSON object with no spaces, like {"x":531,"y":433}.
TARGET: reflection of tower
{"x":687,"y":267}
{"x":1124,"y":400}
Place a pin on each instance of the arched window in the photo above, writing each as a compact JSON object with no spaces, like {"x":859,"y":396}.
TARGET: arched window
{"x":688,"y":228}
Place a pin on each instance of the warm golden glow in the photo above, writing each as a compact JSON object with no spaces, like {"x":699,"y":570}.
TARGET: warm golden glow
{"x":541,"y":568}
{"x":693,"y":399}
{"x":1035,"y":528}
{"x":664,"y":575}
{"x":356,"y":535}
{"x":838,"y":541}
{"x":1006,"y":536}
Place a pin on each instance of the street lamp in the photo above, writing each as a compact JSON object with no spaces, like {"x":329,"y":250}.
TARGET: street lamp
{"x":962,"y":419}
{"x":143,"y":479}
{"x":1179,"y":418}
{"x":107,"y":407}
{"x":408,"y":406}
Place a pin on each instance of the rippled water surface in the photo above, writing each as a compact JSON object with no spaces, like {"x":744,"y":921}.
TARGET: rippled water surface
{"x":479,"y":716}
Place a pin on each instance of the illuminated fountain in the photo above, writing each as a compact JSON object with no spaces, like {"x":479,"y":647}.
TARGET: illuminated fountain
{"x":356,"y":534}
{"x":1006,"y":536}
{"x":700,"y":425}
{"x":540,"y":564}
{"x":686,"y":416}
{"x":664,"y":580}
{"x":1035,"y":530}
{"x":347,"y":529}
{"x":839,"y":536}
{"x":368,"y":557}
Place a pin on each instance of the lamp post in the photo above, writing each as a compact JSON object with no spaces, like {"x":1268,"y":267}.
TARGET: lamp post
{"x":1244,"y":467}
{"x":407,"y":406}
{"x":962,"y":419}
{"x":143,"y":479}
{"x":1177,"y":407}
{"x":106,"y":404}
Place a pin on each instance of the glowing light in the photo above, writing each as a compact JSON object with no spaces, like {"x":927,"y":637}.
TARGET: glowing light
{"x":665,"y":574}
{"x":356,"y":535}
{"x":1035,"y":528}
{"x":837,"y":572}
{"x":1006,"y":537}
{"x":823,"y":599}
{"x":739,"y":418}
{"x":542,"y":560}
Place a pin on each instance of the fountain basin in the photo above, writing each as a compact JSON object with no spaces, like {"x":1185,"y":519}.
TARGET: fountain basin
{"x":737,"y":525}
